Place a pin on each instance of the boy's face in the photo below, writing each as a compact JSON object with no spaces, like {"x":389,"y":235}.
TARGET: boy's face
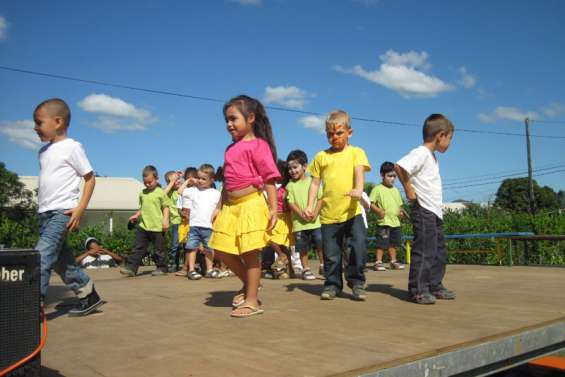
{"x":389,"y":178}
{"x":443,"y":141}
{"x":93,"y":246}
{"x":176,"y":178}
{"x":47,"y":127}
{"x":204,"y":180}
{"x":150,"y":181}
{"x":338,"y":136}
{"x":192,"y":180}
{"x":296,"y":170}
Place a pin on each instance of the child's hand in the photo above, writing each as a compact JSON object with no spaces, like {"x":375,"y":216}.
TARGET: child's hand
{"x":272,"y":220}
{"x":165,"y":225}
{"x":215,"y":214}
{"x":74,"y":221}
{"x":133,"y":218}
{"x":308,"y":213}
{"x":355,"y":193}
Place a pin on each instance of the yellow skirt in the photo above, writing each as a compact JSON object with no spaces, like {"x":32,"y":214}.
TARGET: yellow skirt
{"x":282,"y":232}
{"x":183,"y":231}
{"x":241,"y":225}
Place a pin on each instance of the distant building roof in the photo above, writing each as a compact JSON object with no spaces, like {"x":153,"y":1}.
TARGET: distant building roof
{"x":110,"y":193}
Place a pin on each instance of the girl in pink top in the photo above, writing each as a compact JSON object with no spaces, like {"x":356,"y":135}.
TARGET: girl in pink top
{"x":243,"y":217}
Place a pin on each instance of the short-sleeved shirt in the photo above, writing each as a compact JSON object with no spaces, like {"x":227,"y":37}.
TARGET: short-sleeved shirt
{"x":172,"y":199}
{"x":423,"y":169}
{"x":337,"y":172}
{"x":249,"y":163}
{"x":151,"y":205}
{"x":389,"y":199}
{"x":202,"y":203}
{"x":297,"y":193}
{"x":62,"y":165}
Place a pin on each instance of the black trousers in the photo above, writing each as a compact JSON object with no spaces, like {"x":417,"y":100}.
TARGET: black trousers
{"x":142,"y":240}
{"x":429,"y":252}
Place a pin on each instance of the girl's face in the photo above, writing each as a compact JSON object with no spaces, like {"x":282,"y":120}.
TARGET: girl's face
{"x":237,"y":125}
{"x":150,"y":181}
{"x":204,"y":180}
{"x":192,"y":180}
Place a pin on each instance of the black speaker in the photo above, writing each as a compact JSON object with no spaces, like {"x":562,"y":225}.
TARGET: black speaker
{"x":19,"y":310}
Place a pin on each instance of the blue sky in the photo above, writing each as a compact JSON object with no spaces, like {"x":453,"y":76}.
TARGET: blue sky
{"x":486,"y":65}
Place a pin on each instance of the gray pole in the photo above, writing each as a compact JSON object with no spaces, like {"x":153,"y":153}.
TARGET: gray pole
{"x":531,"y":197}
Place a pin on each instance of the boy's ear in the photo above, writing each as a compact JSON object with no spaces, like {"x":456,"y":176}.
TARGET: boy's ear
{"x":60,"y":123}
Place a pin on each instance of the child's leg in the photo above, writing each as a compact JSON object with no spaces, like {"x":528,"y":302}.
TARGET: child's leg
{"x":440,"y":260}
{"x":159,"y":251}
{"x":209,"y":258}
{"x":304,"y":259}
{"x":380,"y":253}
{"x":423,"y":250}
{"x":281,"y":255}
{"x":253,"y":274}
{"x":190,"y":259}
{"x":174,"y":251}
{"x":332,"y":239}
{"x":358,"y":254}
{"x":141,"y":243}
{"x":392,"y":253}
{"x":234,"y":263}
{"x":71,"y":274}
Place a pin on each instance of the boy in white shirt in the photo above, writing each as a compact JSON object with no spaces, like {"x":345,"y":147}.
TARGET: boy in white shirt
{"x":418,"y":172}
{"x":201,"y":201}
{"x":63,"y":163}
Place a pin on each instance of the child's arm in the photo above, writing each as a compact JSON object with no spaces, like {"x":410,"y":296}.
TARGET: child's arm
{"x":223,"y":198}
{"x":77,"y":212}
{"x":165,"y":218}
{"x":182,"y":187}
{"x":357,"y":191}
{"x":135,"y":216}
{"x":79,"y":258}
{"x":378,"y":210}
{"x":114,"y":256}
{"x":171,"y":184}
{"x":312,"y":194}
{"x":317,"y":209}
{"x":272,"y":200}
{"x":405,"y":180}
{"x":300,"y":213}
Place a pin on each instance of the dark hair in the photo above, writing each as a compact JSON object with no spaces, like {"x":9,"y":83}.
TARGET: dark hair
{"x":150,"y":169}
{"x":283,"y":171}
{"x":56,"y":107}
{"x":387,"y":167}
{"x":190,"y":171}
{"x":219,"y":174}
{"x":262,"y":125}
{"x":297,"y":155}
{"x":434,"y":124}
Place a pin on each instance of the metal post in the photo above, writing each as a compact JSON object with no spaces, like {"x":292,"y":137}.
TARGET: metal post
{"x":509,"y":253}
{"x":408,"y":251}
{"x":531,"y":197}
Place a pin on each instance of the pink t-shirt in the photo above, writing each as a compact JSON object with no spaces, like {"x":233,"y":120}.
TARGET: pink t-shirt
{"x":249,"y":163}
{"x":282,"y":205}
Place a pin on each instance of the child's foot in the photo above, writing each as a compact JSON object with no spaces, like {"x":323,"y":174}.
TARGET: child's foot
{"x":444,"y":294}
{"x":182,"y":273}
{"x":193,"y":275}
{"x":212,"y":274}
{"x":321,"y":270}
{"x":246,"y":310}
{"x":359,"y":293}
{"x":423,"y":299}
{"x":328,"y":293}
{"x":379,"y":266}
{"x":87,"y":305}
{"x":266,"y":274}
{"x":128,"y":270}
{"x":396,"y":265}
{"x":159,"y":272}
{"x":308,"y":275}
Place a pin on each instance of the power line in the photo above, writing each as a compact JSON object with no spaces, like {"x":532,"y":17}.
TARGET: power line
{"x":275,"y":108}
{"x":499,"y":181}
{"x":497,"y":174}
{"x":477,"y":180}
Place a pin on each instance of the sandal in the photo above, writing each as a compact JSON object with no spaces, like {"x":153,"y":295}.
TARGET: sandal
{"x":254,"y":311}
{"x":238,"y":299}
{"x":182,"y":273}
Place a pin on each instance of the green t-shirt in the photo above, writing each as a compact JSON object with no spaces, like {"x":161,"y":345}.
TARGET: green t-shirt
{"x":389,"y":199}
{"x":297,"y":193}
{"x":174,"y":215}
{"x":151,"y":205}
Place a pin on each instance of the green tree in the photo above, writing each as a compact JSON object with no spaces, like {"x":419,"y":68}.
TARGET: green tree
{"x":15,"y":200}
{"x":513,"y":195}
{"x":561,"y":198}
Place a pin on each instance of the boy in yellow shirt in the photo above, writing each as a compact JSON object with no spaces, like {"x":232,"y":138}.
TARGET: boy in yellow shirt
{"x":342,"y":169}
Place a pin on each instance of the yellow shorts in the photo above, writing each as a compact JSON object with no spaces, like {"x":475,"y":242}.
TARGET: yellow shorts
{"x":282,"y":232}
{"x":183,"y":231}
{"x":241,"y":226}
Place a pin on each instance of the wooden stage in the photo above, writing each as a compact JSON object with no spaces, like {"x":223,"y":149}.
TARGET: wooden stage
{"x":169,"y":326}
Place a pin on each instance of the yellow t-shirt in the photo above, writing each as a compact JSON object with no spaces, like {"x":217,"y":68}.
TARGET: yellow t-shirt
{"x":337,"y":172}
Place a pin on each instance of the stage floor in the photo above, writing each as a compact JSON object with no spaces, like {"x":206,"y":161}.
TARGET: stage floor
{"x":170,"y":326}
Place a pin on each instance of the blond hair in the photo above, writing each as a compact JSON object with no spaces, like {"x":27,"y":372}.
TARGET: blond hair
{"x":208,"y":169}
{"x":338,"y":118}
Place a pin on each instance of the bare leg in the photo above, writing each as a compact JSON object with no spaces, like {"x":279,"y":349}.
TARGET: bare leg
{"x":209,"y":257}
{"x":320,"y":254}
{"x":392,"y":253}
{"x":253,"y":273}
{"x":304,"y":260}
{"x":191,"y":260}
{"x":380,"y":253}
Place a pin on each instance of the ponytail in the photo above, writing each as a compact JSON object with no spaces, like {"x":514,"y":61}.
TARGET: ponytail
{"x":262,"y":125}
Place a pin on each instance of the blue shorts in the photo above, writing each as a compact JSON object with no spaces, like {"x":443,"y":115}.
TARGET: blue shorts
{"x":305,"y":240}
{"x":198,"y":235}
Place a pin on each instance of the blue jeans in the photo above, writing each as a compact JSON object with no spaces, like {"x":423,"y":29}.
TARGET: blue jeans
{"x":336,"y":238}
{"x":56,"y":255}
{"x":174,"y":252}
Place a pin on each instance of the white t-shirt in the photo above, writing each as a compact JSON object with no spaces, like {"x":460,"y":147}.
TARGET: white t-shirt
{"x":62,"y":165}
{"x":201,"y":204}
{"x":423,"y":169}
{"x":103,"y":261}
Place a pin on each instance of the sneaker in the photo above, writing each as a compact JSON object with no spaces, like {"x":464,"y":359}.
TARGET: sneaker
{"x":308,"y":275}
{"x":128,"y":270}
{"x":283,"y":275}
{"x":86,"y":304}
{"x":359,"y":293}
{"x":159,"y":272}
{"x":396,"y":265}
{"x":212,"y":274}
{"x":266,"y":274}
{"x":379,"y":266}
{"x":444,"y":294}
{"x":193,"y":275}
{"x":423,"y":299}
{"x":328,"y":293}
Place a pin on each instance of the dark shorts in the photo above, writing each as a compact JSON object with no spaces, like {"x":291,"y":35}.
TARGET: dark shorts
{"x":305,"y":240}
{"x":387,"y":237}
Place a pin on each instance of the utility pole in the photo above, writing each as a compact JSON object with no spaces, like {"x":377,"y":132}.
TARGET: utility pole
{"x":531,"y":197}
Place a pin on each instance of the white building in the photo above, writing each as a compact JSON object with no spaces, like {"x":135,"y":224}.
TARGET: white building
{"x":114,"y":200}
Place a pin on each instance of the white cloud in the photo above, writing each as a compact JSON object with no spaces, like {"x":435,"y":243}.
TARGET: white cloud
{"x":314,"y":122}
{"x":21,"y":132}
{"x":403,"y":73}
{"x":289,"y":96}
{"x":248,"y":2}
{"x":555,"y":109}
{"x":115,"y":113}
{"x":506,"y":113}
{"x":3,"y":28}
{"x":466,"y":79}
